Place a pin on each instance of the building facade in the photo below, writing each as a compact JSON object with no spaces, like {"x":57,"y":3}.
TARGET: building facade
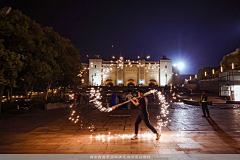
{"x":125,"y":72}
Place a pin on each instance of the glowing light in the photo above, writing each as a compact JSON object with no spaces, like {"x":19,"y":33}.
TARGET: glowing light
{"x":205,"y":73}
{"x":180,"y":66}
{"x":232,"y":65}
{"x":221,"y":69}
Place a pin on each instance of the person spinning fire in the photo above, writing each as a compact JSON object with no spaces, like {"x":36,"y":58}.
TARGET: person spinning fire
{"x":142,"y":103}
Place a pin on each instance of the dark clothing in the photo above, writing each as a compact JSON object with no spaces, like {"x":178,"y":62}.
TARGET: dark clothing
{"x":24,"y":105}
{"x":204,"y":105}
{"x":204,"y":98}
{"x":205,"y":109}
{"x":143,"y":106}
{"x":146,"y":121}
{"x":79,"y":98}
{"x":143,"y":102}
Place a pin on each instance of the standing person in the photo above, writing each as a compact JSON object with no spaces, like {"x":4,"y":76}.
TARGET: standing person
{"x":204,"y":105}
{"x":71,"y":98}
{"x":124,"y":99}
{"x":129,"y":97}
{"x":75,"y":99}
{"x":142,"y":103}
{"x":79,"y":98}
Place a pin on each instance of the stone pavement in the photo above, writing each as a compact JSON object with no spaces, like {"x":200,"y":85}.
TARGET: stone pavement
{"x":45,"y":132}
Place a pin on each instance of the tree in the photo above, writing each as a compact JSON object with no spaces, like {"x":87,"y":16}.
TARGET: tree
{"x":208,"y":70}
{"x":10,"y":65}
{"x":46,"y":56}
{"x":23,"y":36}
{"x":227,"y":61}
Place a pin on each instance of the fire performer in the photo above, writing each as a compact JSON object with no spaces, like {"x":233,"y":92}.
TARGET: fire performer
{"x":142,"y":103}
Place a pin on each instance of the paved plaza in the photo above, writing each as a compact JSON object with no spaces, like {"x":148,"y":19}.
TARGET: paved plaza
{"x":51,"y":132}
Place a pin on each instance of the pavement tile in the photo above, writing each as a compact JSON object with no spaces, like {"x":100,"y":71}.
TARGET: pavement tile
{"x":188,"y":133}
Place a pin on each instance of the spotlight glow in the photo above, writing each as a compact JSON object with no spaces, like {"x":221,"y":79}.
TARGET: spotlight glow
{"x":180,"y":66}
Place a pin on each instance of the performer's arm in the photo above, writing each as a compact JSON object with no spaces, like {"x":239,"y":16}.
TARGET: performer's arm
{"x":135,"y":103}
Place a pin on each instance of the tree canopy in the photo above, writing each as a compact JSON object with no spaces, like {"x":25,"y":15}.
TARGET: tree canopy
{"x":227,"y":61}
{"x":39,"y":53}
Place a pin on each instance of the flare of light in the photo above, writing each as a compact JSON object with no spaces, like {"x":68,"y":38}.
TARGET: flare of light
{"x":180,"y":66}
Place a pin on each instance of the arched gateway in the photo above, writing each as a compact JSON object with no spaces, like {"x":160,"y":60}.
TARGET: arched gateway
{"x":152,"y":82}
{"x":109,"y":82}
{"x":131,"y":82}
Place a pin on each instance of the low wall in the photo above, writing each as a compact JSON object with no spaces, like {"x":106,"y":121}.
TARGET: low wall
{"x":56,"y":105}
{"x":194,"y":102}
{"x":233,"y":102}
{"x":210,"y":86}
{"x":191,"y":102}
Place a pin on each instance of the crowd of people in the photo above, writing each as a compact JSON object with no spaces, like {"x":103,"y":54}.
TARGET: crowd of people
{"x":77,"y":98}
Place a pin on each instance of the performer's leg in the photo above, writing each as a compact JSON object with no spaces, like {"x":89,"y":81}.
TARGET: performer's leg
{"x":138,"y":121}
{"x":146,"y":120}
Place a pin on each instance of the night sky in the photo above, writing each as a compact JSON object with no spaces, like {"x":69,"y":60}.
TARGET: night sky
{"x":196,"y":32}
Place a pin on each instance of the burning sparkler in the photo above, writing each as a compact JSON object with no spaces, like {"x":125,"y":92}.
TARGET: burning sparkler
{"x":95,"y":98}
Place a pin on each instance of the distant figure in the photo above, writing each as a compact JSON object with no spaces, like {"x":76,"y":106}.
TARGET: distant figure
{"x":204,"y":105}
{"x":75,"y":99}
{"x":112,"y":103}
{"x":143,"y":103}
{"x":71,"y":98}
{"x":116,"y":100}
{"x":129,"y":97}
{"x":25,"y":104}
{"x":79,"y":98}
{"x":124,"y":99}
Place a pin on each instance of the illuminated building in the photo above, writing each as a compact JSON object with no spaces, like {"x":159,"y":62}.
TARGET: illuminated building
{"x":129,"y":73}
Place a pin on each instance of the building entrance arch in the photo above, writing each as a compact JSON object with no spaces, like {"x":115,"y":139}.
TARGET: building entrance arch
{"x":131,"y":82}
{"x":152,"y":82}
{"x":109,"y":82}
